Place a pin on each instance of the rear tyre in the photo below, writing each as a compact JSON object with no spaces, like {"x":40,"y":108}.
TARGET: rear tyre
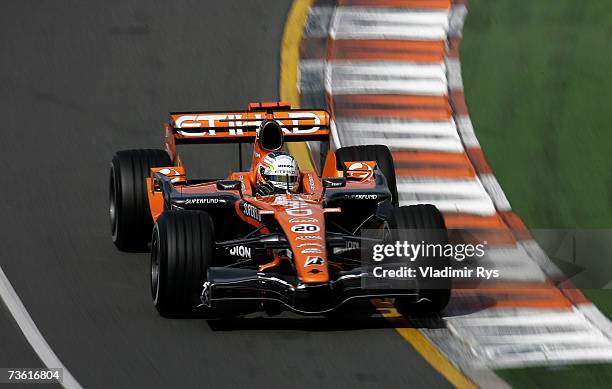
{"x":130,"y":216}
{"x":181,"y":253}
{"x":416,"y":224}
{"x":378,"y":153}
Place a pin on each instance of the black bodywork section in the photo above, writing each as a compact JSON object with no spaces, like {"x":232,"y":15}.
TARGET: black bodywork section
{"x":240,"y":248}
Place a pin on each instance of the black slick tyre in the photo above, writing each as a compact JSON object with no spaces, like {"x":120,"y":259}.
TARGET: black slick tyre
{"x":182,"y":250}
{"x":130,"y":216}
{"x":416,"y":224}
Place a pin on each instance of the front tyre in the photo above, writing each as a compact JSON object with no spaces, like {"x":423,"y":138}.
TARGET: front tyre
{"x":416,"y":224}
{"x":182,"y":250}
{"x":130,"y":215}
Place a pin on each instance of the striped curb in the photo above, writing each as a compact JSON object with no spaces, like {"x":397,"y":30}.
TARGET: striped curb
{"x":389,"y":72}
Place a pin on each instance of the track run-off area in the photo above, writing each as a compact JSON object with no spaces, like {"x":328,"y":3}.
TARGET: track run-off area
{"x":389,"y":72}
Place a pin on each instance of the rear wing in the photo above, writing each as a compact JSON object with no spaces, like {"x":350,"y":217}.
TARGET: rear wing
{"x":242,"y":127}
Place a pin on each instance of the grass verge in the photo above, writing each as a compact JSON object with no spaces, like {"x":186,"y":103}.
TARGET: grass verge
{"x":579,"y":376}
{"x":538,"y":83}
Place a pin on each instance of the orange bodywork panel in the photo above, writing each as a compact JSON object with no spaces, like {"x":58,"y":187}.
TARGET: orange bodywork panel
{"x":300,"y":216}
{"x":156,"y":197}
{"x":156,"y":200}
{"x":329,"y":168}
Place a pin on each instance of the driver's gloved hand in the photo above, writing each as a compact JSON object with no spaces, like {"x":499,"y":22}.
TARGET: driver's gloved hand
{"x":264,"y":189}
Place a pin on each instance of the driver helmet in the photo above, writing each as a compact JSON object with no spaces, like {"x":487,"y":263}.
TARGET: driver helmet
{"x":280,"y":170}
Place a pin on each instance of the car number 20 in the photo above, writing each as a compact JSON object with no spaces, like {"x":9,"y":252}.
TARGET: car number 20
{"x":305,"y":228}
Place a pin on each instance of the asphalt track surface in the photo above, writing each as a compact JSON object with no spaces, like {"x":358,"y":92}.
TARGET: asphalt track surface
{"x":80,"y":80}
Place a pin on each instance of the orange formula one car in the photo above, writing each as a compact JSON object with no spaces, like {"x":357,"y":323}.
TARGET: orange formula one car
{"x":274,"y":236}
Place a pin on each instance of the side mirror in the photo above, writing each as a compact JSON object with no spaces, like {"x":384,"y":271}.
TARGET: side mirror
{"x":229,"y":185}
{"x":334,"y":182}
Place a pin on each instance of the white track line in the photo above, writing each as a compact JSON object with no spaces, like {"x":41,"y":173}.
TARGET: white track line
{"x":495,"y":191}
{"x":456,"y":20}
{"x":394,"y":143}
{"x":441,"y":187}
{"x":513,"y":263}
{"x":31,"y":332}
{"x":422,"y":87}
{"x":582,"y":338}
{"x":556,"y":358}
{"x":522,"y":337}
{"x":317,"y":24}
{"x":565,"y":318}
{"x":455,"y":78}
{"x":386,"y":77}
{"x":466,"y":130}
{"x":442,"y":128}
{"x":374,"y":23}
{"x":449,"y":195}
